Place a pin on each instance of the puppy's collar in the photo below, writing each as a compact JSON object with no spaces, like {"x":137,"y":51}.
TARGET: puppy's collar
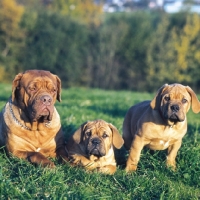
{"x":47,"y":124}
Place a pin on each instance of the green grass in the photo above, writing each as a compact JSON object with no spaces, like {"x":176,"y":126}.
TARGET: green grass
{"x":152,"y":180}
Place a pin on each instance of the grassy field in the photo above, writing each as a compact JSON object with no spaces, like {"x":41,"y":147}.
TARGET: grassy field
{"x":152,"y":180}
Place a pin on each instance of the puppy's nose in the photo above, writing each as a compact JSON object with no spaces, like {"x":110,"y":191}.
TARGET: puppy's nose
{"x":96,"y":141}
{"x":46,"y":99}
{"x":175,"y":108}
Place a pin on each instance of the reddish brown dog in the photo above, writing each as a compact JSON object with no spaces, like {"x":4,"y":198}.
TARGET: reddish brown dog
{"x":159,"y":124}
{"x":92,"y":146}
{"x":30,"y":125}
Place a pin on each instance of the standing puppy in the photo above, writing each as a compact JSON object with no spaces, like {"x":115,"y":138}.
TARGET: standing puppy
{"x":30,"y":125}
{"x":159,"y":124}
{"x":92,"y":146}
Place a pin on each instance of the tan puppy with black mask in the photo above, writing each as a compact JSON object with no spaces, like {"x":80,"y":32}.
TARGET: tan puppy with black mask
{"x":92,"y":146}
{"x":159,"y":124}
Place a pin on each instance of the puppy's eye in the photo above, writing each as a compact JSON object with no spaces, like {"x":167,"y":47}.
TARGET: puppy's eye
{"x":184,"y":100}
{"x":167,"y":98}
{"x":104,"y":135}
{"x":88,"y":133}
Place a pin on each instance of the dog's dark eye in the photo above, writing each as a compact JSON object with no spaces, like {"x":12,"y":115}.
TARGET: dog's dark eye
{"x":32,"y":88}
{"x":167,"y":98}
{"x":104,"y":135}
{"x":184,"y":100}
{"x":53,"y":90}
{"x":88,"y":133}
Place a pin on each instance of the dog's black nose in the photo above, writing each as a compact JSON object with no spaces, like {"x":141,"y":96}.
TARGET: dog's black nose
{"x":46,"y":99}
{"x":175,"y":108}
{"x":96,"y":141}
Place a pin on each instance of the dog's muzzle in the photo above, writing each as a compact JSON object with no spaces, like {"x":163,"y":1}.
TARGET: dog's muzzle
{"x":175,"y":113}
{"x":46,"y":100}
{"x":42,"y":108}
{"x":96,"y":141}
{"x":96,"y":148}
{"x":175,"y":108}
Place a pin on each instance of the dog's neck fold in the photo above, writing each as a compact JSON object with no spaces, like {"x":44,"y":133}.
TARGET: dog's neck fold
{"x":34,"y":126}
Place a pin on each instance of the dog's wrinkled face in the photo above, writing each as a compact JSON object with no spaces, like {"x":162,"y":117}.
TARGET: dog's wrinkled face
{"x":36,"y":92}
{"x":175,"y":103}
{"x":97,"y":137}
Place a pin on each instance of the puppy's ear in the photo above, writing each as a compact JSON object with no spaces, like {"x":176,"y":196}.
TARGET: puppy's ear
{"x":58,"y":88}
{"x":117,"y":138}
{"x":194,"y":100}
{"x":15,"y":84}
{"x":78,"y":134}
{"x":155,"y":103}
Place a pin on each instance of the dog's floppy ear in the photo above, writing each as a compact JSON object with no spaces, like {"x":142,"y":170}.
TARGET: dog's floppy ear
{"x":15,"y":84}
{"x":155,"y":103}
{"x":117,"y":138}
{"x":78,"y":134}
{"x":58,"y":88}
{"x":194,"y":100}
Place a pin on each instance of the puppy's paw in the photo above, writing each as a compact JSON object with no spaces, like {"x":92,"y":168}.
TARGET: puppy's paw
{"x":171,"y":164}
{"x":75,"y":159}
{"x":83,"y":161}
{"x":91,"y":165}
{"x":93,"y":158}
{"x":110,"y":169}
{"x":131,"y":168}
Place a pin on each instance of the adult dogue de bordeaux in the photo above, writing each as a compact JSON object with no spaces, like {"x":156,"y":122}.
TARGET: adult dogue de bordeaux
{"x":30,"y":126}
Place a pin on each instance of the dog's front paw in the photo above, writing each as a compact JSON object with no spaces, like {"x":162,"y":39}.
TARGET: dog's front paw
{"x":75,"y":159}
{"x":48,"y":164}
{"x":84,"y":162}
{"x":92,"y":165}
{"x":110,"y":169}
{"x":39,"y":159}
{"x":171,"y":164}
{"x":131,"y":168}
{"x":93,"y":158}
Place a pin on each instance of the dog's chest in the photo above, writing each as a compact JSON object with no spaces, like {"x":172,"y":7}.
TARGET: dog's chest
{"x":163,"y":139}
{"x":159,"y":144}
{"x":33,"y":141}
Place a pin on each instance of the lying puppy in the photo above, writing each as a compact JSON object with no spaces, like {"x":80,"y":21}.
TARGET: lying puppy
{"x":30,"y":126}
{"x":159,"y":124}
{"x":91,"y":146}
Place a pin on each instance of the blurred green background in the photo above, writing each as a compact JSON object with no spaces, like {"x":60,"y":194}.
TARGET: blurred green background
{"x":85,"y":46}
